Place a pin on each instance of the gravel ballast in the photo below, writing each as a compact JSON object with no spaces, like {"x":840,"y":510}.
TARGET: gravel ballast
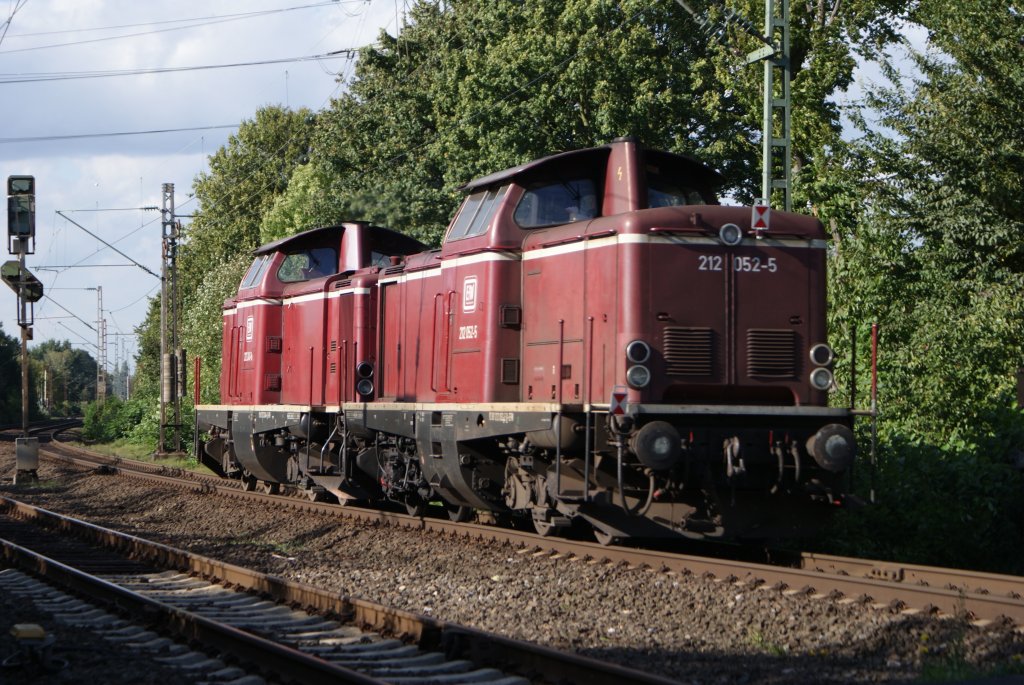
{"x":692,"y":629}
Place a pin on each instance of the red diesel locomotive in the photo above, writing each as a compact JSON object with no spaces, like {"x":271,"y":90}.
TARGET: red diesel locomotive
{"x":597,"y":342}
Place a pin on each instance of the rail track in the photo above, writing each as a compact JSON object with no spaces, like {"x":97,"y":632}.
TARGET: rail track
{"x":250,"y":617}
{"x":981,"y":597}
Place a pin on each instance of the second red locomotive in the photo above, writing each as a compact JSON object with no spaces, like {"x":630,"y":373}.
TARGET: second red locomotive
{"x":597,"y":342}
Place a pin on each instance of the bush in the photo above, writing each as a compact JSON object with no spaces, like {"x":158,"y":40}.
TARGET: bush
{"x":112,"y":419}
{"x":938,"y":506}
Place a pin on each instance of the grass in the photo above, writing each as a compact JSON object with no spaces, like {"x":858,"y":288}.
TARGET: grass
{"x":39,"y":487}
{"x":760,"y":642}
{"x":281,"y":548}
{"x":950,"y":663}
{"x":131,"y":450}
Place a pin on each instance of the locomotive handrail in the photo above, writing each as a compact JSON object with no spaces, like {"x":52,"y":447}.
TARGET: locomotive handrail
{"x":562,"y":241}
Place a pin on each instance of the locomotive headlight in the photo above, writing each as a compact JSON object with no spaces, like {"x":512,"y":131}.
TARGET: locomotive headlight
{"x":364,"y":371}
{"x":822,"y":355}
{"x":822,"y":379}
{"x":638,"y":376}
{"x":730,"y":234}
{"x":638,"y":352}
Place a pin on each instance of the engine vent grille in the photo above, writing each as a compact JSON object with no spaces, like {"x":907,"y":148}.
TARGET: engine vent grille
{"x":273,"y":343}
{"x":510,"y":371}
{"x":272,"y":382}
{"x":771,"y":353}
{"x":689,"y":351}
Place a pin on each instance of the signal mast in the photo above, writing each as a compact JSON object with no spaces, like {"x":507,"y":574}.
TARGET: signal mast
{"x":776,"y":156}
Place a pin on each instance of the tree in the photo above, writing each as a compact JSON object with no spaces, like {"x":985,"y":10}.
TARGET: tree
{"x":245,"y":179}
{"x":10,"y":379}
{"x":70,"y":374}
{"x":938,"y":257}
{"x":943,"y":173}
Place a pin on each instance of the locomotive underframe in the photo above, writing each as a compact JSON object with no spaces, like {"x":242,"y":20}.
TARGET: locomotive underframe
{"x":741,"y":470}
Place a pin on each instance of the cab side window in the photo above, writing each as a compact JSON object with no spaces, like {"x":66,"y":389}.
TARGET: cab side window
{"x":255,"y":272}
{"x":665,"y":191}
{"x":476,"y":213}
{"x":306,"y":265}
{"x":550,"y":204}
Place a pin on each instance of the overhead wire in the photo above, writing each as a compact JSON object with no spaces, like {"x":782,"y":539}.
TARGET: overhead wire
{"x":7,"y":24}
{"x":43,"y":77}
{"x":199,"y":24}
{"x":113,"y":134}
{"x":237,"y":15}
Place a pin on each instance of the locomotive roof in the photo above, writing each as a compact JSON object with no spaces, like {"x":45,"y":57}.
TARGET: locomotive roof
{"x":380,"y":236}
{"x":598,"y":156}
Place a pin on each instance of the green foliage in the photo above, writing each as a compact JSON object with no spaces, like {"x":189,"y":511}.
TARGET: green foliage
{"x":202,"y":322}
{"x":10,"y":379}
{"x":245,"y":178}
{"x":70,"y":374}
{"x":471,"y":87}
{"x":136,"y":421}
{"x":935,"y":254}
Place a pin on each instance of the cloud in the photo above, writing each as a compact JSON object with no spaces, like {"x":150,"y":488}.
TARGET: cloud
{"x":128,"y":171}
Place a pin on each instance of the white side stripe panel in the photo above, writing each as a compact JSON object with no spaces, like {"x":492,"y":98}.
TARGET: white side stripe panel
{"x":665,"y":239}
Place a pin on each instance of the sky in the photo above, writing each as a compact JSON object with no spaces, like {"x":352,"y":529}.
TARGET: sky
{"x":48,"y":127}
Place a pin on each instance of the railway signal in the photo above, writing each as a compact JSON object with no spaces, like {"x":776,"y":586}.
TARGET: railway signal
{"x":21,"y":239}
{"x":21,"y":214}
{"x":21,"y":281}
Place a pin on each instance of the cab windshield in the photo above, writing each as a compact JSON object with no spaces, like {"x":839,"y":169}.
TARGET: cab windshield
{"x":562,"y":202}
{"x":305,"y":265}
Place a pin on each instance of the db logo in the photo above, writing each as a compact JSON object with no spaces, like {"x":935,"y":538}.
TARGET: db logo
{"x":469,"y":295}
{"x":248,"y":329}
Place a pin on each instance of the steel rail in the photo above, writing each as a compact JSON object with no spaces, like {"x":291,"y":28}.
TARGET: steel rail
{"x":916,"y":574}
{"x":428,"y":633}
{"x":270,"y":656}
{"x":980,"y":596}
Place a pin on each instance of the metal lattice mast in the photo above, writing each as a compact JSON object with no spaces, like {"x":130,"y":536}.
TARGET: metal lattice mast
{"x":101,"y":348}
{"x":171,"y":358}
{"x":167,"y":212}
{"x":776,"y":158}
{"x":776,"y":161}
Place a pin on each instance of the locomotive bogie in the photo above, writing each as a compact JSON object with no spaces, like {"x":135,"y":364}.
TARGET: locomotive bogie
{"x":596,"y":340}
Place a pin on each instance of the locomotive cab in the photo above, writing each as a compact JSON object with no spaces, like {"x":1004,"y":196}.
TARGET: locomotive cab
{"x":292,"y":339}
{"x":634,"y":281}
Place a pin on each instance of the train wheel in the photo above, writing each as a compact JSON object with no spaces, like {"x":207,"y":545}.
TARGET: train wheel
{"x":268,"y":488}
{"x":318,"y":495}
{"x":458,"y":514}
{"x":544,"y":528}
